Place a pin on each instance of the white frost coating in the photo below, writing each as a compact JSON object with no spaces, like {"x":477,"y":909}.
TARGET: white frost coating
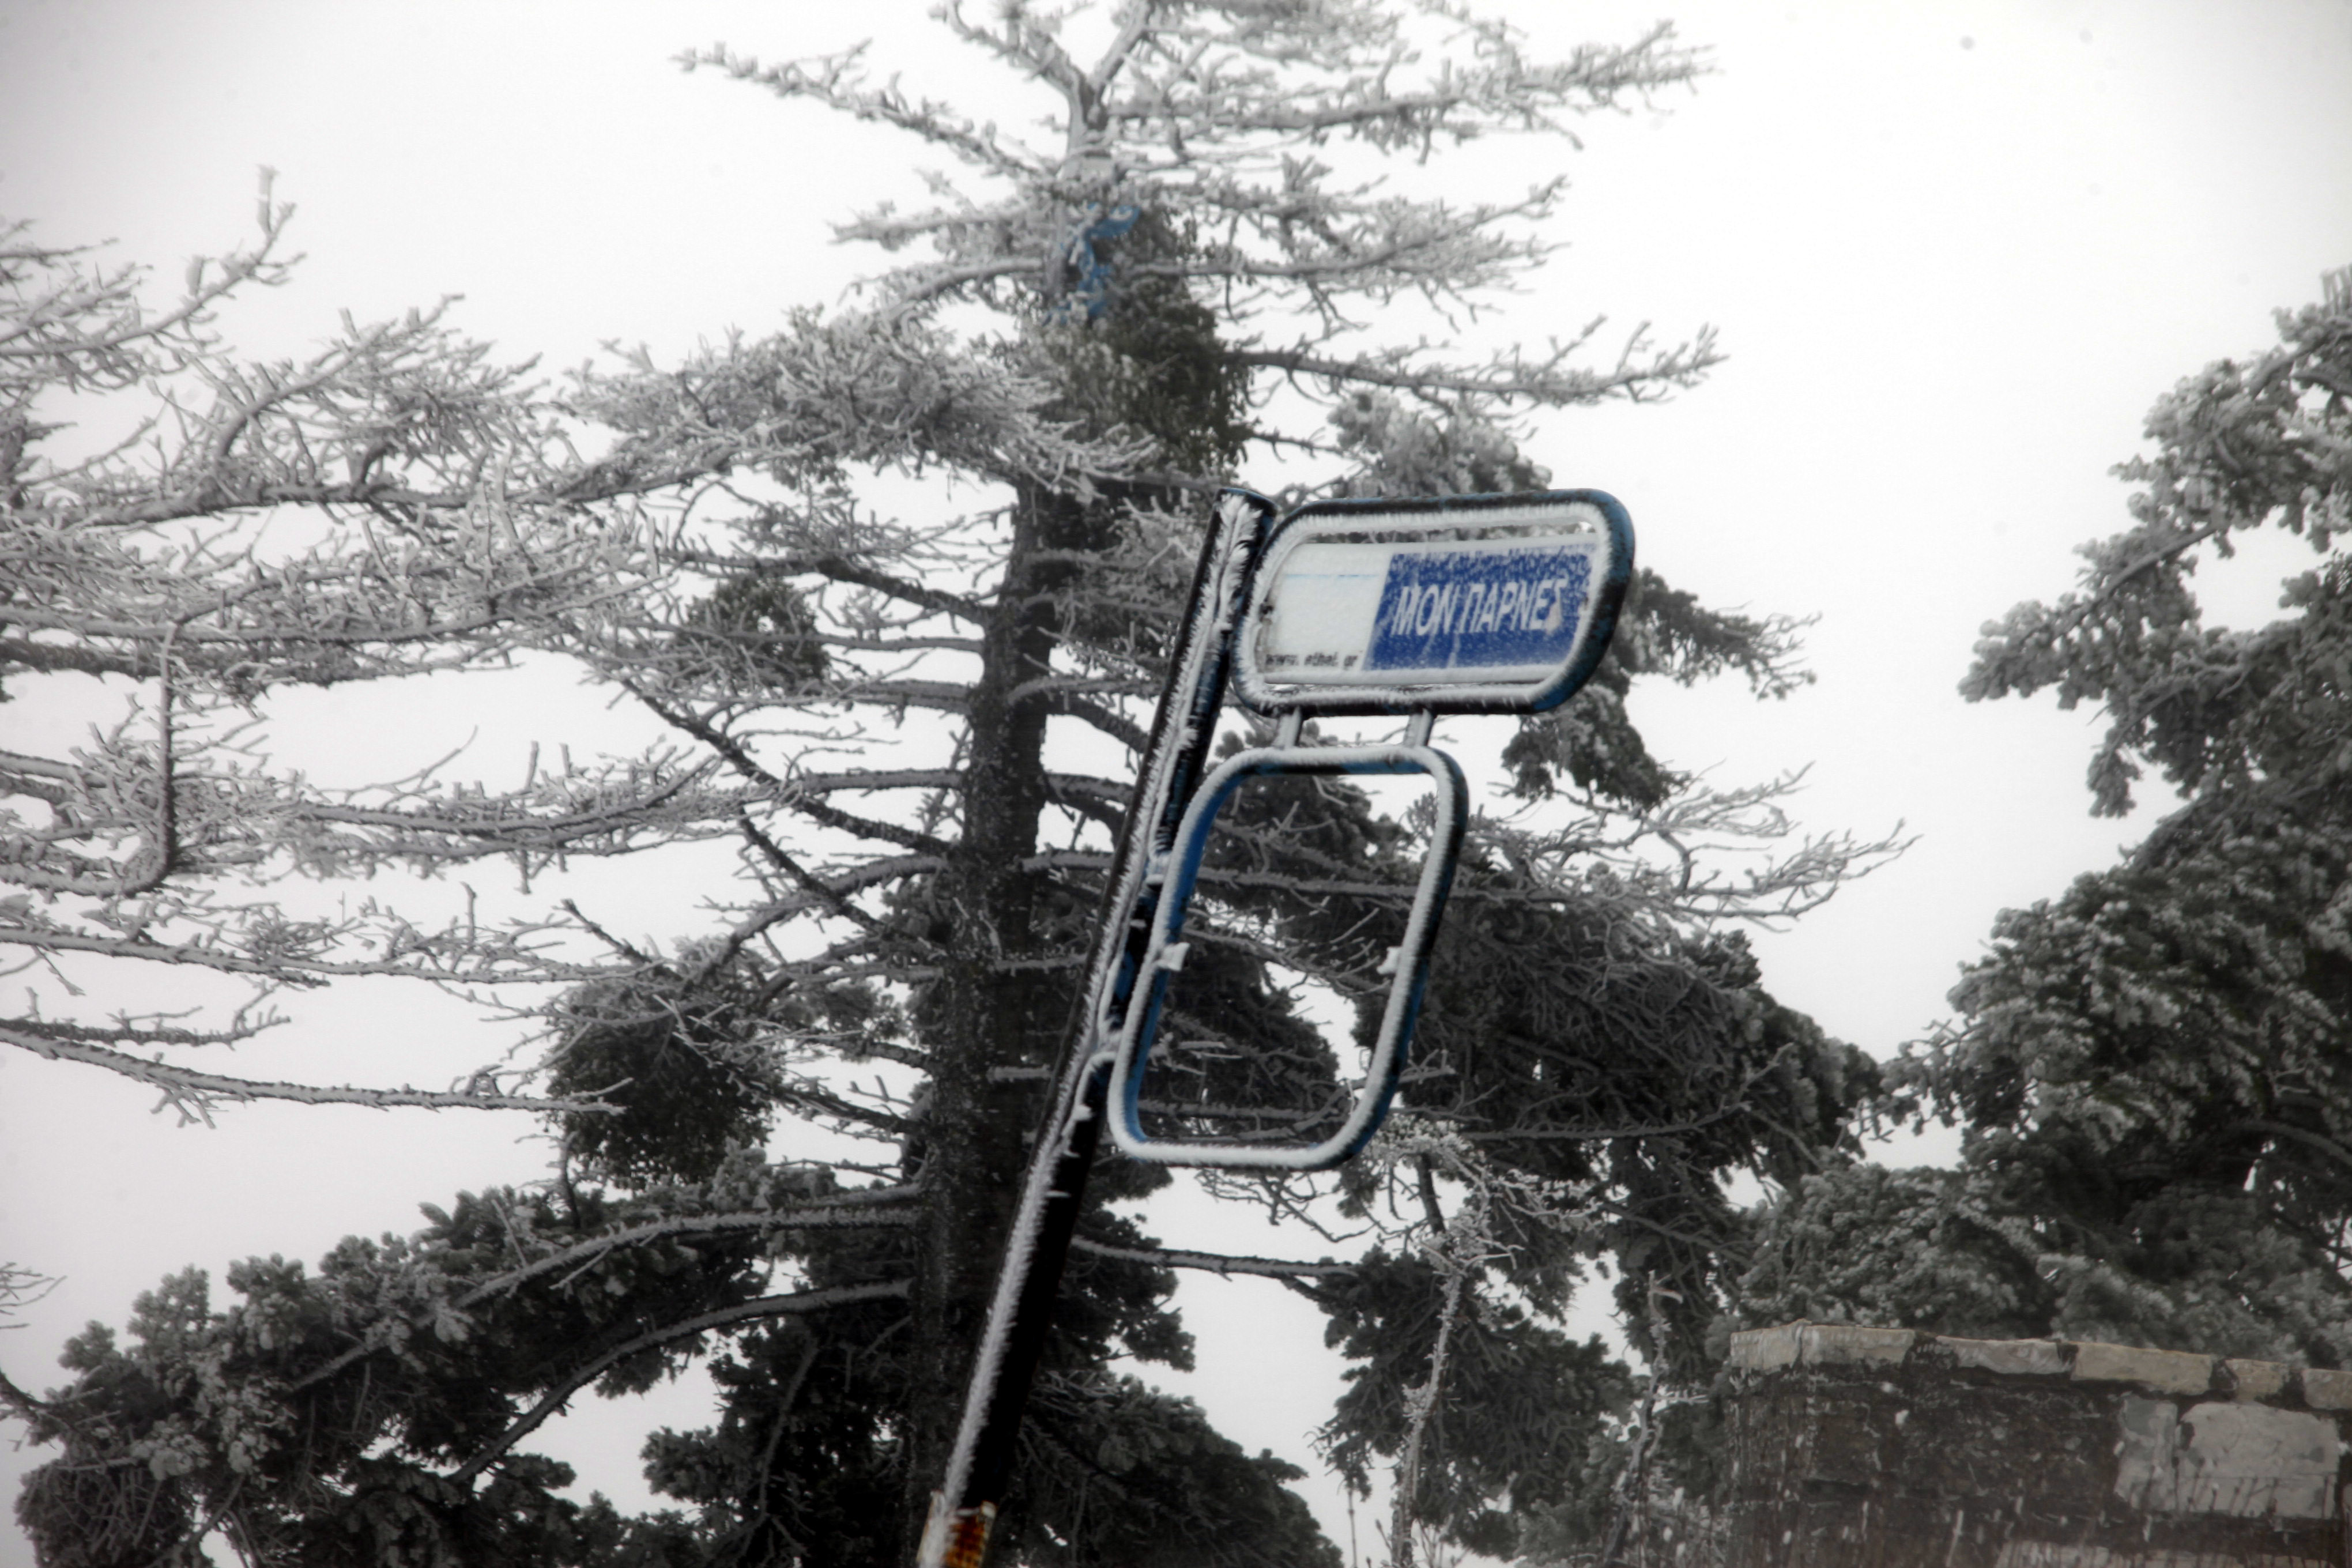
{"x":2013,"y":1358}
{"x":1387,"y":1049}
{"x":2250,"y":1460}
{"x":1328,"y":597}
{"x":1211,"y":625}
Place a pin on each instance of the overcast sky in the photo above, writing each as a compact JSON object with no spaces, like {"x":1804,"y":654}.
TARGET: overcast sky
{"x":1954,"y":251}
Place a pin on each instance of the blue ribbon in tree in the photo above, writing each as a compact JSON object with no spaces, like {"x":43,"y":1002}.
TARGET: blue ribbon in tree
{"x":1090,"y":288}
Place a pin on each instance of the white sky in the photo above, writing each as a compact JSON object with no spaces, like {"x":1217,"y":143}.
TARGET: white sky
{"x":1954,"y":251}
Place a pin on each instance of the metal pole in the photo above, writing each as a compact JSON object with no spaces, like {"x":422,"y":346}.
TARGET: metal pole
{"x":964,"y":1508}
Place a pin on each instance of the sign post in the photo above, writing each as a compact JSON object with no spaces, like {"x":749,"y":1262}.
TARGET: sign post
{"x":964,"y":1511}
{"x":1455,"y":605}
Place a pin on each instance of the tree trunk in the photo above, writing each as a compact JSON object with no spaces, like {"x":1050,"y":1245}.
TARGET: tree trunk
{"x":990,"y":1008}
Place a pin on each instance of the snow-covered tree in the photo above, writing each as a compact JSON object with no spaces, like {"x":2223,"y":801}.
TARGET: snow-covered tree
{"x":790,"y":1140}
{"x":2152,"y":1070}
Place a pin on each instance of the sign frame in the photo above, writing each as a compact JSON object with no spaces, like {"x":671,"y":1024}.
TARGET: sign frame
{"x":1407,"y":967}
{"x":1591,"y":523}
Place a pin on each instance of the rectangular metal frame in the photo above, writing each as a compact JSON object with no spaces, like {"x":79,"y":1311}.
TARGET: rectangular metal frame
{"x":1410,"y":960}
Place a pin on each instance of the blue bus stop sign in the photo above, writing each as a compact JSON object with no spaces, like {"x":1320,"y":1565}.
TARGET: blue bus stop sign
{"x":1463,"y":604}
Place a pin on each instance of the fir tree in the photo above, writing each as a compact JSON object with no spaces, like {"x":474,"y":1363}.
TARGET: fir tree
{"x":2151,"y":1068}
{"x":790,"y":1142}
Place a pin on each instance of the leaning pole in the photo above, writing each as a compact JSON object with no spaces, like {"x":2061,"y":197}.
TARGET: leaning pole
{"x":1412,"y":608}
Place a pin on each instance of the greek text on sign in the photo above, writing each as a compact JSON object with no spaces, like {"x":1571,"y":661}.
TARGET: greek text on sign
{"x":1476,"y":604}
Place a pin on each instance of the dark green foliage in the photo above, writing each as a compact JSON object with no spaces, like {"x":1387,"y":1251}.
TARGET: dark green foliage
{"x":1661,"y":631}
{"x":1594,"y":1070}
{"x":1598,"y":1060}
{"x":806,"y":1465}
{"x":1409,"y":451}
{"x":1520,"y":1394}
{"x":2240,"y":447}
{"x":1915,"y":1248}
{"x":1134,"y":1476}
{"x":2152,"y":1070}
{"x":316,"y":1449}
{"x":1578,"y":1048}
{"x":1151,"y":362}
{"x":755,"y":633}
{"x":684,"y":1053}
{"x":2154,"y":1080}
{"x":84,"y":1514}
{"x":662,"y":1540}
{"x":792,"y":1147}
{"x":1571,"y":1530}
{"x":319,"y":1419}
{"x":1234,"y":1061}
{"x":1233,"y":1036}
{"x":1148,"y":367}
{"x":680,"y":1057}
{"x":800,"y":1467}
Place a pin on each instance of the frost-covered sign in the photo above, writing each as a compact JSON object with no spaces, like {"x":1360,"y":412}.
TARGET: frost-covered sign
{"x":1471,"y":604}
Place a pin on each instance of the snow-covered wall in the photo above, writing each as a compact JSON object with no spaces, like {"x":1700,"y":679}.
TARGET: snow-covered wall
{"x":1858,"y":1448}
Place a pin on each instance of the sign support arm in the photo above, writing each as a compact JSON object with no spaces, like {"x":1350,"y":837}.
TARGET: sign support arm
{"x":980,"y":1469}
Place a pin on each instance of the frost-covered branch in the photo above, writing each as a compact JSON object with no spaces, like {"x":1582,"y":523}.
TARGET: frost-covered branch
{"x":196,"y":1094}
{"x":791,"y":1304}
{"x":1215,"y":1262}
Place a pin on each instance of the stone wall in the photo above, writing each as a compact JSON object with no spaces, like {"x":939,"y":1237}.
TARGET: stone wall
{"x":1854,"y":1447}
